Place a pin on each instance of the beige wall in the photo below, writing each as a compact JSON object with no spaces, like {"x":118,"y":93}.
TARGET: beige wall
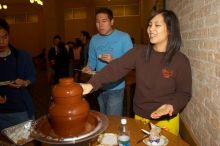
{"x":27,"y":39}
{"x":200,"y":28}
{"x":26,"y":36}
{"x":130,"y":24}
{"x":33,"y":37}
{"x":53,"y":23}
{"x":134,"y":25}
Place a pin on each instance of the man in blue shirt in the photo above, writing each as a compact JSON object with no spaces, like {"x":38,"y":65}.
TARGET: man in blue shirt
{"x":105,"y":46}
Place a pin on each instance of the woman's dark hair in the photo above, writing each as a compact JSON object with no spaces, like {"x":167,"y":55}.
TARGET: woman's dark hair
{"x":174,"y":36}
{"x":4,"y":25}
{"x":105,"y":10}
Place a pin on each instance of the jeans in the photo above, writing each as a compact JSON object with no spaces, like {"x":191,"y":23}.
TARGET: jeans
{"x":111,"y":102}
{"x":11,"y":119}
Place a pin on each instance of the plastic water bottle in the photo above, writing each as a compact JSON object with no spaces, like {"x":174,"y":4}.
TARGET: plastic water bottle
{"x":124,"y":134}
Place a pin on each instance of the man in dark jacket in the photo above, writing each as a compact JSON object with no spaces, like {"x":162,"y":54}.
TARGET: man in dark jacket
{"x":17,"y":73}
{"x":53,"y":51}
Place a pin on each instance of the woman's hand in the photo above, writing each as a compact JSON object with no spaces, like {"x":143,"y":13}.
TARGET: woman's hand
{"x":20,"y":83}
{"x":163,"y":110}
{"x":87,"y":88}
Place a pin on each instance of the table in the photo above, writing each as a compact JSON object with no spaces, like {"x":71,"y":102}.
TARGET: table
{"x":135,"y":133}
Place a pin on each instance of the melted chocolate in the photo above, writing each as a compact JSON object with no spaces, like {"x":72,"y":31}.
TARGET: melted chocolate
{"x":68,"y":113}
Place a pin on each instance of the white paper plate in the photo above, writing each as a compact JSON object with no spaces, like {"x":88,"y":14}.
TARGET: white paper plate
{"x":4,"y":83}
{"x":108,"y":139}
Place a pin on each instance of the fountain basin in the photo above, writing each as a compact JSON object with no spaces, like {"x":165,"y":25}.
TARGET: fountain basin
{"x":96,"y":124}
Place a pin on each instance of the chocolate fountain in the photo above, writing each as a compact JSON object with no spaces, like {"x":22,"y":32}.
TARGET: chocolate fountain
{"x":69,"y":120}
{"x":68,"y":109}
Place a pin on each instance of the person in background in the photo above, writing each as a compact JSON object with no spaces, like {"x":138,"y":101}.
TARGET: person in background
{"x":18,"y":71}
{"x":77,"y":58}
{"x":61,"y":66}
{"x":53,"y":51}
{"x":104,"y":47}
{"x":85,"y":38}
{"x":40,"y":60}
{"x":70,"y":46}
{"x":163,"y":74}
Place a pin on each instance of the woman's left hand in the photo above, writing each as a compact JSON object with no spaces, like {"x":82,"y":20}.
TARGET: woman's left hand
{"x":162,"y":110}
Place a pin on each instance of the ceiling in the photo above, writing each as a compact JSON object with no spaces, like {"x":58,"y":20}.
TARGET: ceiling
{"x":27,"y":2}
{"x":9,"y":2}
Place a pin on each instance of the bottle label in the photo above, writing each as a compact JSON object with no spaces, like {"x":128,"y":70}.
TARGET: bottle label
{"x":124,"y":140}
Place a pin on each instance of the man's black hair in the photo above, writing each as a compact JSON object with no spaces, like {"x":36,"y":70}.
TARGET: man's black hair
{"x":70,"y":42}
{"x":105,"y":10}
{"x":57,"y":37}
{"x":4,"y":25}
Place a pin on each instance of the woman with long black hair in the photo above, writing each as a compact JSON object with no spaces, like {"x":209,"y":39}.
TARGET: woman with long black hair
{"x":163,"y":73}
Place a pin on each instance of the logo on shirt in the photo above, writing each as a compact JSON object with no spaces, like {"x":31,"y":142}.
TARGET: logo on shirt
{"x":167,"y":73}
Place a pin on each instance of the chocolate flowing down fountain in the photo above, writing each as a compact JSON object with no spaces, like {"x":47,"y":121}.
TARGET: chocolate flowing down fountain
{"x":68,"y":109}
{"x":69,"y":119}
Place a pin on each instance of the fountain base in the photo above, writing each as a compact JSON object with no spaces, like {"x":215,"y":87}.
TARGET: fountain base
{"x":96,"y":123}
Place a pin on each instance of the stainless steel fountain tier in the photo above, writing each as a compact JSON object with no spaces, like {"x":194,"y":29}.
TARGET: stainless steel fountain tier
{"x":96,"y":124}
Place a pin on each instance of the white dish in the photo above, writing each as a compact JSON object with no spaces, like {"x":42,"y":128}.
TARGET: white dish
{"x":108,"y":139}
{"x":4,"y":83}
{"x":19,"y":134}
{"x":89,"y":73}
{"x":92,"y":73}
{"x":163,"y":141}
